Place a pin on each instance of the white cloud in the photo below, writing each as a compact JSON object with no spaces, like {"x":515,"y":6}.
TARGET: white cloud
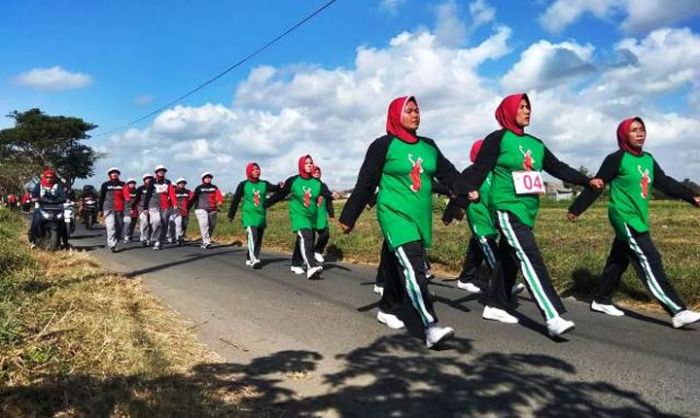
{"x":481,"y":13}
{"x":450,"y":30}
{"x":53,"y":79}
{"x":562,"y":13}
{"x":640,"y":15}
{"x":646,"y":15}
{"x":280,"y":113}
{"x":143,"y":99}
{"x":544,"y":65}
{"x":391,"y":6}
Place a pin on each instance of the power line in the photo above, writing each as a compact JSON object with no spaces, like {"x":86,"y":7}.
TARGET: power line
{"x":223,"y":73}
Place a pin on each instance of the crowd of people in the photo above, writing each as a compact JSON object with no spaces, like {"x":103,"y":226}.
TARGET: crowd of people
{"x":499,"y":193}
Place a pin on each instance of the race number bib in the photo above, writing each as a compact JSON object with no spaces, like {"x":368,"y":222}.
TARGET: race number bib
{"x":528,"y":182}
{"x":161,"y":188}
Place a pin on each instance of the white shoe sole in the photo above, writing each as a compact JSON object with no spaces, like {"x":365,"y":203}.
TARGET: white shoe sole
{"x":495,"y":314}
{"x":442,"y":339}
{"x":597,"y":308}
{"x":384,"y":321}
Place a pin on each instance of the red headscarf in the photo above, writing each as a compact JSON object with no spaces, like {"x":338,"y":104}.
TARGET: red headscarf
{"x":44,"y":180}
{"x":303,"y":173}
{"x":476,"y":147}
{"x":623,"y":129}
{"x":506,"y":111}
{"x":319,"y":170}
{"x":393,"y":120}
{"x":249,"y":172}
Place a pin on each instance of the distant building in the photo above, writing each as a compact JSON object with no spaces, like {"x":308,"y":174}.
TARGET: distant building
{"x":557,"y":191}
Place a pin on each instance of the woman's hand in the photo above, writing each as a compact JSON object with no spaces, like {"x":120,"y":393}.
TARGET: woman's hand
{"x":570,"y":216}
{"x":346,"y":229}
{"x":596,"y":183}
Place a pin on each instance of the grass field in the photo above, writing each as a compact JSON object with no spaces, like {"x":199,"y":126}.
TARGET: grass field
{"x":77,"y":341}
{"x":574,"y":252}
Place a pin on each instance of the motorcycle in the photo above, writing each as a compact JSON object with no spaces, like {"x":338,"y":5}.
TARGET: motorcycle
{"x":52,"y":220}
{"x":69,"y":216}
{"x":89,"y":212}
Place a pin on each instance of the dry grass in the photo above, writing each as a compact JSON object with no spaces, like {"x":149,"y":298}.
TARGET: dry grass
{"x":78,"y":341}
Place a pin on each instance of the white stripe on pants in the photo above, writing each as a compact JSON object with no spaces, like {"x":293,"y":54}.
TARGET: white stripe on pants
{"x":207,"y":222}
{"x":144,"y":225}
{"x":114,"y":224}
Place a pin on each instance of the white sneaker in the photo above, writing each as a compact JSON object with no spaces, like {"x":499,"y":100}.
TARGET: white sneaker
{"x":297,"y":270}
{"x":390,"y":320}
{"x":435,"y":334}
{"x":558,"y":325}
{"x":314,"y":272}
{"x":379,"y":290}
{"x":248,"y":263}
{"x":684,"y":318}
{"x":468,"y":286}
{"x":125,"y":241}
{"x":257,"y":264}
{"x":517,"y":289}
{"x":156,"y":246}
{"x":496,"y":314}
{"x":606,"y":309}
{"x":319,"y":257}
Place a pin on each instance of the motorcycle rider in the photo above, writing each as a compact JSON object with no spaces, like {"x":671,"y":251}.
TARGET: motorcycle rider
{"x":112,"y":207}
{"x":48,"y":189}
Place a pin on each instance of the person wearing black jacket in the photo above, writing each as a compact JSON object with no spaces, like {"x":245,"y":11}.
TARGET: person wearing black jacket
{"x":141,"y":204}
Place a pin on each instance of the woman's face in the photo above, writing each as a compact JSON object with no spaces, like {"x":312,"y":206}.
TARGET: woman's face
{"x":522,"y":118}
{"x":637,"y":135}
{"x":317,"y":173}
{"x":207,"y":179}
{"x":114,"y":175}
{"x":255,"y":172}
{"x":308,"y":165}
{"x":410,"y":117}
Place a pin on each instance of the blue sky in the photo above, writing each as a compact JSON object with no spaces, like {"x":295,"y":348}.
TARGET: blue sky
{"x":120,"y":60}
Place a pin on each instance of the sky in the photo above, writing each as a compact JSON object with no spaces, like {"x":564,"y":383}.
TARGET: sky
{"x":325,"y":88}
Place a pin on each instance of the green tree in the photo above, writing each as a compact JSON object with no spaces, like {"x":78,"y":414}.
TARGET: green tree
{"x":39,"y":140}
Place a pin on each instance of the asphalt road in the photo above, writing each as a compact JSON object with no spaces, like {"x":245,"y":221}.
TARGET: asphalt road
{"x":314,"y":348}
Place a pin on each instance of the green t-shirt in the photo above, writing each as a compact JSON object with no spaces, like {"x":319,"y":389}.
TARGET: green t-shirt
{"x":404,"y":201}
{"x":517,"y":153}
{"x":630,"y":192}
{"x":479,"y":215}
{"x":303,"y":209}
{"x":322,"y":214}
{"x":254,"y":196}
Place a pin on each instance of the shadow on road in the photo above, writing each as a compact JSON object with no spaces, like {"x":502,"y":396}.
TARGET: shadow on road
{"x":393,"y":376}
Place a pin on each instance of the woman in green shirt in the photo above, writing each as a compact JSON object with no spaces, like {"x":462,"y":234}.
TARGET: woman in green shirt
{"x":631,"y":173}
{"x":253,"y":192}
{"x":305,"y":191}
{"x":324,"y":210}
{"x":402,"y":164}
{"x":515,"y":161}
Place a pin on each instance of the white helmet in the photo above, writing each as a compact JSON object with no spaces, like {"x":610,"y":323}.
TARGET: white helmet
{"x":113,"y":169}
{"x":130,"y":180}
{"x":160,"y":167}
{"x":207,"y":173}
{"x":181,"y":180}
{"x":146,"y":176}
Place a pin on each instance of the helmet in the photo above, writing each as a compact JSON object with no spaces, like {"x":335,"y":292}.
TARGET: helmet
{"x":146,"y":175}
{"x":112,"y":170}
{"x":181,"y":180}
{"x":130,"y":180}
{"x":160,"y":167}
{"x":207,"y":174}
